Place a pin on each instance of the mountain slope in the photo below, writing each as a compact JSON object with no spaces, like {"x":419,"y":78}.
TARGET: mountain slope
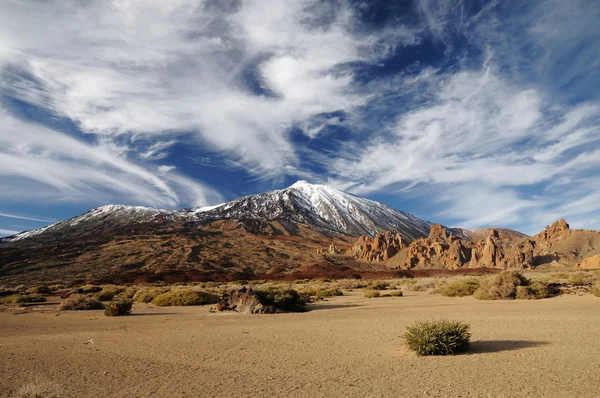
{"x":322,"y":207}
{"x":277,"y":234}
{"x":316,"y":206}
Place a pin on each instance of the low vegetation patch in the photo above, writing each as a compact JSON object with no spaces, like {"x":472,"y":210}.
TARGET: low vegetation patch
{"x":595,"y":290}
{"x":108,"y":293}
{"x":421,"y":285}
{"x":147,"y":294}
{"x":128,"y":293}
{"x":39,"y":388}
{"x":328,"y":293}
{"x":511,"y":285}
{"x":461,"y":288}
{"x":86,"y":289}
{"x":581,"y":279}
{"x":369,"y":293}
{"x":378,"y":285}
{"x":397,"y":293}
{"x":119,"y":308}
{"x":24,"y":299}
{"x":536,"y":290}
{"x":80,"y":302}
{"x":55,"y":287}
{"x":441,"y":337}
{"x":40,"y":289}
{"x":281,"y":298}
{"x":184,"y":297}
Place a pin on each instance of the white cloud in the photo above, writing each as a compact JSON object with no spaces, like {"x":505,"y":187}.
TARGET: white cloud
{"x":164,"y":169}
{"x":65,"y":168}
{"x":7,"y":232}
{"x":158,"y":68}
{"x":481,"y":140}
{"x":19,"y":217}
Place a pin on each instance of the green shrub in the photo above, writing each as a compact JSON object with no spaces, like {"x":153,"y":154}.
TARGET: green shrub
{"x":396,"y":293}
{"x":119,"y":308}
{"x":502,"y":286}
{"x":369,"y":293}
{"x":108,"y":293}
{"x":87,"y":289}
{"x":441,"y":337}
{"x":40,"y":289}
{"x":128,"y":293}
{"x":80,"y":302}
{"x":147,"y":294}
{"x":282,"y":298}
{"x":24,"y":298}
{"x":536,"y":290}
{"x":56,"y":287}
{"x":328,"y":293}
{"x":461,"y":288}
{"x":580,"y":279}
{"x":378,"y":285}
{"x":306,"y":293}
{"x":184,"y":297}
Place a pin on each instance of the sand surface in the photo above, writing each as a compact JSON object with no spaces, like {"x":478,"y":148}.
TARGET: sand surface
{"x":345,"y":347}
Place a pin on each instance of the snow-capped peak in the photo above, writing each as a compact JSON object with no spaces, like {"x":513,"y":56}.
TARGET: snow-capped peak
{"x":321,"y":206}
{"x":313,"y":205}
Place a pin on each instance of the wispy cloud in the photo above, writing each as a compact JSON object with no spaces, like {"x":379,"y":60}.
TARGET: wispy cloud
{"x":8,"y":232}
{"x":63,"y":167}
{"x":158,"y":68}
{"x":19,"y":217}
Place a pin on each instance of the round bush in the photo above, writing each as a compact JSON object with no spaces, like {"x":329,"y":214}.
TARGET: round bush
{"x":281,"y":298}
{"x":378,"y":285}
{"x":119,"y":308}
{"x":500,"y":287}
{"x":80,"y":302}
{"x":24,"y":298}
{"x":328,"y":293}
{"x":184,"y":298}
{"x":461,"y":288}
{"x":368,"y":293}
{"x":147,"y":294}
{"x":441,"y":337}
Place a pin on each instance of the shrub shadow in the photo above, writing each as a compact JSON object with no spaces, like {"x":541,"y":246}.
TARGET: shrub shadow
{"x":153,"y":314}
{"x":316,"y":307}
{"x":489,"y":346}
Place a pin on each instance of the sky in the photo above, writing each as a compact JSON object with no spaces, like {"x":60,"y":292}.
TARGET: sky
{"x":466,"y":113}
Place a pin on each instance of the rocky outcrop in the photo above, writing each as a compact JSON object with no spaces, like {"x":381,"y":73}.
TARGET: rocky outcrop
{"x":438,"y":250}
{"x":244,"y":301}
{"x":332,"y":249}
{"x":521,"y":255}
{"x":487,"y":253}
{"x":378,"y":249}
{"x":441,"y":249}
{"x":553,"y":234}
{"x":592,"y":262}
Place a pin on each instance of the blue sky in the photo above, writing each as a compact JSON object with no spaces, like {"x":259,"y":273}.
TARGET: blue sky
{"x":468,"y":113}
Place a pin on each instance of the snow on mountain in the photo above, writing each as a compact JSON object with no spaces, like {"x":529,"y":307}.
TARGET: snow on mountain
{"x":323,"y":207}
{"x":318,"y":206}
{"x":101,"y":218}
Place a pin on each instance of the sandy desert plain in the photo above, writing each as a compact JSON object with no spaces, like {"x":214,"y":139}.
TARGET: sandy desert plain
{"x":346,"y":346}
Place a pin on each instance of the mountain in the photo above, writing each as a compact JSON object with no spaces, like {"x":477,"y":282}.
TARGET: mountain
{"x":316,"y":206}
{"x":277,"y":234}
{"x":322,"y":207}
{"x":482,"y":233}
